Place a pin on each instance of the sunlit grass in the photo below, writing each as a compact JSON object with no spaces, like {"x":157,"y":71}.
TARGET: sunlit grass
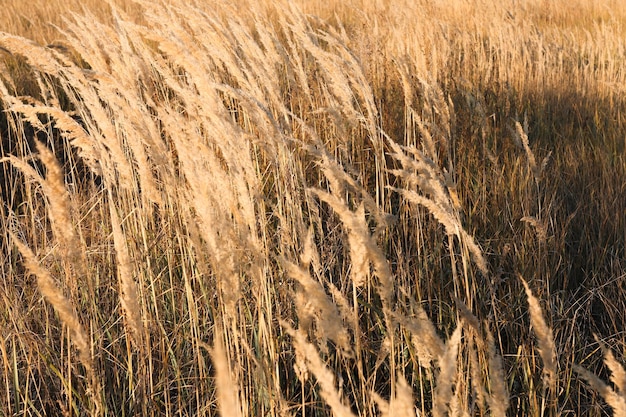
{"x":332,"y":208}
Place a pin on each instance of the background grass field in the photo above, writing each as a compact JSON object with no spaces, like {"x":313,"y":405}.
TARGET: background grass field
{"x":313,"y":208}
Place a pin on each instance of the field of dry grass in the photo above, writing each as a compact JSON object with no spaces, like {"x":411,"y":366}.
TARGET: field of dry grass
{"x":349,"y":208}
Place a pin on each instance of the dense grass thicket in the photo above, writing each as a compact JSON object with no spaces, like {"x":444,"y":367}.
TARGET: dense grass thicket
{"x":368,"y":208}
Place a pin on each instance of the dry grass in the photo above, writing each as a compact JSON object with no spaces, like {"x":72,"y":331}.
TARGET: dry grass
{"x":614,"y":397}
{"x":312,"y":209}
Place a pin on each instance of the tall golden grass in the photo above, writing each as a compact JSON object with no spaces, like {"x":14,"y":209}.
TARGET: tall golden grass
{"x":316,"y":208}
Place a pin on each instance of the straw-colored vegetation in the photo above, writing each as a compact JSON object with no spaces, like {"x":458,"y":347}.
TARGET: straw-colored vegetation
{"x":395,"y":208}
